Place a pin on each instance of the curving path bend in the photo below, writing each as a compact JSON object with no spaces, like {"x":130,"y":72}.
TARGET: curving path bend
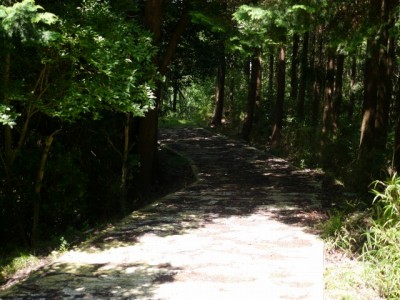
{"x":242,"y":231}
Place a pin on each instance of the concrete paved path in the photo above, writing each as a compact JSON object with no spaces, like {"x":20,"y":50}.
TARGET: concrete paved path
{"x":242,"y":231}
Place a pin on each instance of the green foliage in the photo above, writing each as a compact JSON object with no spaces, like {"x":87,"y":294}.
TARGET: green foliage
{"x":215,"y":23}
{"x":9,"y":266}
{"x":111,"y":64}
{"x":7,"y":115}
{"x":89,"y":62}
{"x":382,"y":247}
{"x":64,"y":245}
{"x":24,"y":21}
{"x":343,"y":229}
{"x":266,"y":25}
{"x":257,"y":26}
{"x":387,"y":201}
{"x":382,"y":250}
{"x":375,"y":233}
{"x":198,"y":100}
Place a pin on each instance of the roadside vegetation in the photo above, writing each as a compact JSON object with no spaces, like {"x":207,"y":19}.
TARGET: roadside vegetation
{"x":364,"y":246}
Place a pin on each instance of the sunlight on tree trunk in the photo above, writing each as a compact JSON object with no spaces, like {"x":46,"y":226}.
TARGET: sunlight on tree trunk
{"x":219,"y":92}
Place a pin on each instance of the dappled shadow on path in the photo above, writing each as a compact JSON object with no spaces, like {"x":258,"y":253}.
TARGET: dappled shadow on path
{"x":237,"y":185}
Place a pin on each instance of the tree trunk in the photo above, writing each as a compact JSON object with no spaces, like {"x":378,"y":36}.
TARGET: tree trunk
{"x":396,"y":148}
{"x":303,"y":78}
{"x":149,"y":124}
{"x":8,"y":140}
{"x":384,"y":90}
{"x":219,"y":92}
{"x":38,"y":187}
{"x":293,"y":68}
{"x":353,"y":78}
{"x":271,"y":76}
{"x":253,"y":93}
{"x":369,"y":104}
{"x":318,"y":80}
{"x":280,"y":97}
{"x":148,"y":146}
{"x":327,"y":117}
{"x":338,"y":95}
{"x":125,"y":165}
{"x":377,"y":93}
{"x":175,"y":96}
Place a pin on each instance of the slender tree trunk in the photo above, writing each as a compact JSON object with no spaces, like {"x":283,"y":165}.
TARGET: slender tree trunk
{"x":231,"y":97}
{"x":175,"y":96}
{"x":338,"y":95}
{"x":385,"y":90}
{"x":318,"y":80}
{"x":271,"y":76}
{"x":294,"y":67}
{"x":303,"y":78}
{"x":327,"y":118}
{"x":280,"y":98}
{"x":219,"y":92}
{"x":353,"y":78}
{"x":8,"y":139}
{"x":253,"y":93}
{"x":38,"y":187}
{"x":396,"y":146}
{"x":125,"y":165}
{"x":258,"y":107}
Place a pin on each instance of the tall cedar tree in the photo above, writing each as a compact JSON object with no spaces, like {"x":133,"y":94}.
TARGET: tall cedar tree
{"x":377,"y":92}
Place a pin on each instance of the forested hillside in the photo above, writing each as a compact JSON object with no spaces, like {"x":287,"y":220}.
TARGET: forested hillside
{"x":84,"y":83}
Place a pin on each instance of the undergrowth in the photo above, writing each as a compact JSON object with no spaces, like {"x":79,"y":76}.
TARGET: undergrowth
{"x":27,"y":259}
{"x":372,"y":236}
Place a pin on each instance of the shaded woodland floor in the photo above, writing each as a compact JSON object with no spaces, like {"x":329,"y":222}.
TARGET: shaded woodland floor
{"x":245,"y":227}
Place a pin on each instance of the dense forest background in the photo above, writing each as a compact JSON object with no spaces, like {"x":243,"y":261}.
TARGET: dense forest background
{"x":84,"y":84}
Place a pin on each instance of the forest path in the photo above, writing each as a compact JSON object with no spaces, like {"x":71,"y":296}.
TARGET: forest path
{"x":242,"y":231}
